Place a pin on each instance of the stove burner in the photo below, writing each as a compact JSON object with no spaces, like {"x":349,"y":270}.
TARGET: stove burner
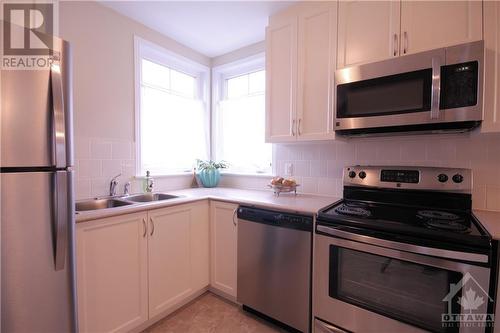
{"x":439,"y":215}
{"x":443,"y":221}
{"x":447,"y":225}
{"x":353,"y":210}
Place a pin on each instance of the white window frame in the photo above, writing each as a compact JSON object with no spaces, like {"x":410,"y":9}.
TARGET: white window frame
{"x":219,"y":75}
{"x":144,"y":49}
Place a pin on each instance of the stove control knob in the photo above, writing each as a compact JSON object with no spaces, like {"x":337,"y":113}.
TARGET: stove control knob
{"x":442,"y":178}
{"x":362,"y":174}
{"x":458,"y":178}
{"x":352,"y":174}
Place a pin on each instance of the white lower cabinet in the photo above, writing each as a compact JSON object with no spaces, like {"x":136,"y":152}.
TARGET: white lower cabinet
{"x":128,"y":264}
{"x":112,"y":273}
{"x":223,"y":247}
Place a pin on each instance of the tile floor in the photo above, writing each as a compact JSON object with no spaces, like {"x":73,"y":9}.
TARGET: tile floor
{"x":212,"y":314}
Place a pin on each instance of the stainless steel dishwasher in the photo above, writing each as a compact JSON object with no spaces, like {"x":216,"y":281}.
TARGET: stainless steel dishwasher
{"x":274,"y":265}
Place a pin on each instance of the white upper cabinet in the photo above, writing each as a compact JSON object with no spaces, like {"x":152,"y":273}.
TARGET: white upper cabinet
{"x":367,"y":31}
{"x":281,"y":79}
{"x":491,"y":86}
{"x":300,"y":63}
{"x":317,"y":40}
{"x":427,"y":25}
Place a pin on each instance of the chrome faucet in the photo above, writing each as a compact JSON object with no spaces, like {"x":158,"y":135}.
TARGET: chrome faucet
{"x":113,"y":184}
{"x":126,"y":189}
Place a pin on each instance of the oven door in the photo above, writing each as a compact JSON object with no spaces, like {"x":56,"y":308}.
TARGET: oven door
{"x":362,"y":287}
{"x":428,"y":88}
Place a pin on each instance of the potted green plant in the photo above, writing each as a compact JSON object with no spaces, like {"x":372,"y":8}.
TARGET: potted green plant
{"x":209,"y":172}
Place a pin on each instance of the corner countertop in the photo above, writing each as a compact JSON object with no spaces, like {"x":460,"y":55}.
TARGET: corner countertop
{"x":300,"y":203}
{"x":490,"y":220}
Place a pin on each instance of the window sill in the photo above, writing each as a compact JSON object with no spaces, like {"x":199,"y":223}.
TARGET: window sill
{"x":170,"y":175}
{"x":255,"y":175}
{"x":185,"y":174}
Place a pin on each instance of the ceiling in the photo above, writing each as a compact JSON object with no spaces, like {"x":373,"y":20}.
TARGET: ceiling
{"x":212,"y":28}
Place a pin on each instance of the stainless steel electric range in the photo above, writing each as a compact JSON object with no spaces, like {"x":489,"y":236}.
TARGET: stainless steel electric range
{"x":402,"y":252}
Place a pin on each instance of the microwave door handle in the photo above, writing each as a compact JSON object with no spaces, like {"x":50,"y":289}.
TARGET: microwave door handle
{"x":58,"y":117}
{"x":61,"y":199}
{"x":436,"y":87}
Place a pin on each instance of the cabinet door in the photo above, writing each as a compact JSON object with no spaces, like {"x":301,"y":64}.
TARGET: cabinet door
{"x":281,"y":79}
{"x":200,"y":245}
{"x":367,"y":31}
{"x":112,"y":273}
{"x":317,"y":41}
{"x":491,"y":86}
{"x":427,"y":25}
{"x":223,"y":240}
{"x":169,"y":257}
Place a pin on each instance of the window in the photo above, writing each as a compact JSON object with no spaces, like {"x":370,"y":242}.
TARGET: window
{"x":172,"y":112}
{"x":239,"y":124}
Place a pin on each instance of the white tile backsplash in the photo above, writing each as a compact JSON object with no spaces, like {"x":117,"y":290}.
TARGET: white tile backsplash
{"x":481,"y":152}
{"x":98,"y":160}
{"x":100,"y":149}
{"x":121,"y":150}
{"x":316,"y":166}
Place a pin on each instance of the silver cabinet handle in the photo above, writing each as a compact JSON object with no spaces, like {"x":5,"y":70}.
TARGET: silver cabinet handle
{"x":62,"y":194}
{"x":152,"y":226}
{"x":395,"y":45}
{"x":293,"y":127}
{"x":405,"y":47}
{"x":234,"y":215}
{"x":298,"y":127}
{"x":144,"y":227}
{"x":58,"y":117}
{"x":436,"y":87}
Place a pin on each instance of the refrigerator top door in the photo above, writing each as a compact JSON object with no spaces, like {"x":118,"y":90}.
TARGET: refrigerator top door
{"x":36,"y":114}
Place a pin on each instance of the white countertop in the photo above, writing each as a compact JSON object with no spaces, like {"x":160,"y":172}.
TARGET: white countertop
{"x":301,"y":203}
{"x":490,"y":220}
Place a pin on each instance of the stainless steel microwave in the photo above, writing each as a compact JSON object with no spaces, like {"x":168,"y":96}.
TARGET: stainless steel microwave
{"x":432,"y":91}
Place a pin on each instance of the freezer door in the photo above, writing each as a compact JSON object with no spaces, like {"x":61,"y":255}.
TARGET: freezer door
{"x":36,"y":114}
{"x":37,"y":289}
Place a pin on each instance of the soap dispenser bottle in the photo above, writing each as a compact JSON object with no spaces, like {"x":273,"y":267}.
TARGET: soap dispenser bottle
{"x":148,"y":182}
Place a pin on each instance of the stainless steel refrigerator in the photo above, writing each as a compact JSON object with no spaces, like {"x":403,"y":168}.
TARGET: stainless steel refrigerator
{"x":37,"y":205}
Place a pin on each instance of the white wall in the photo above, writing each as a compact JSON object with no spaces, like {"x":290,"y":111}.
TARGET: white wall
{"x":103,"y":90}
{"x":102,"y":42}
{"x":239,"y":54}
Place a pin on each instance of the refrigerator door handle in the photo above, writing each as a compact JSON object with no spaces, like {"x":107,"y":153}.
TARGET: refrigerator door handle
{"x":62,"y":218}
{"x":59,"y":121}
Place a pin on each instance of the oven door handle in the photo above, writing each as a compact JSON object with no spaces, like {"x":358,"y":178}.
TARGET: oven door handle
{"x":322,"y":327}
{"x":448,"y":254}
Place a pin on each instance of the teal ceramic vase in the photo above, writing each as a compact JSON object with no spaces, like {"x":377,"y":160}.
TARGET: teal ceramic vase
{"x":209,"y":177}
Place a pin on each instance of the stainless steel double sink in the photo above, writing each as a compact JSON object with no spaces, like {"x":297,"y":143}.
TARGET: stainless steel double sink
{"x":103,"y":203}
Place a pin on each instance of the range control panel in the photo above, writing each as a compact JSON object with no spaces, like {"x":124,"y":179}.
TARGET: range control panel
{"x":418,"y":178}
{"x":400,"y":176}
